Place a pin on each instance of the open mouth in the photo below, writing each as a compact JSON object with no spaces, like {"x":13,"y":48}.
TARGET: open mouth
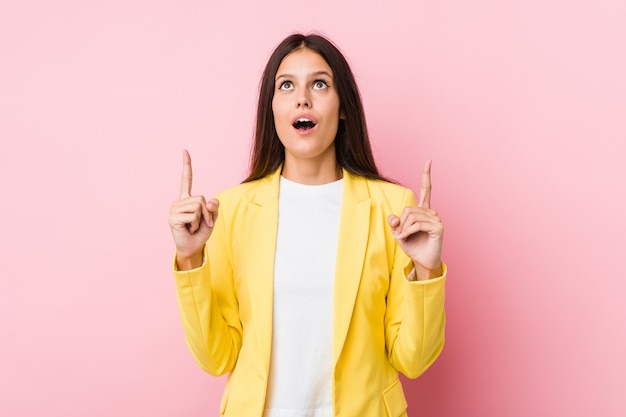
{"x":304,"y":124}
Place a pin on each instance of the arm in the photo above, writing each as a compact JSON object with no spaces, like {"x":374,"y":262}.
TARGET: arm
{"x":208,"y":308}
{"x":415,"y":317}
{"x":203,"y":275}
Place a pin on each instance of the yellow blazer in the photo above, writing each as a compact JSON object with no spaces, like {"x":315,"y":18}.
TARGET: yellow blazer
{"x":382,"y":323}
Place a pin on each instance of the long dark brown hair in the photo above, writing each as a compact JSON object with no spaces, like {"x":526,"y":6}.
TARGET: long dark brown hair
{"x":352,"y":145}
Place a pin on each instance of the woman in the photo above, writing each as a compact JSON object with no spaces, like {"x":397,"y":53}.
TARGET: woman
{"x":315,"y":281}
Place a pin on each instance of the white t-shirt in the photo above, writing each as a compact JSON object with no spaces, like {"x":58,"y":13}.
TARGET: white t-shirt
{"x":300,"y":380}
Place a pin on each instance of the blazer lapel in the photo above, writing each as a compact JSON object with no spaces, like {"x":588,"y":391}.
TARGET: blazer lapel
{"x":353,"y":237}
{"x":260,"y":252}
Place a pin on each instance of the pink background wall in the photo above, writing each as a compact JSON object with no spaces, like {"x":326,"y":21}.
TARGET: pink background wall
{"x":521,"y":104}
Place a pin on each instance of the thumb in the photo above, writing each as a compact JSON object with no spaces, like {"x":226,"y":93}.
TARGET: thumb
{"x":394,"y":222}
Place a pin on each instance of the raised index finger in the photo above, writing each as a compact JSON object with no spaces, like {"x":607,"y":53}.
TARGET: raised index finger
{"x":185,"y":182}
{"x":426,"y":187}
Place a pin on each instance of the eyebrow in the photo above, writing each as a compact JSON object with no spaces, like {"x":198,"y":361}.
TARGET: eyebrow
{"x":313,"y":74}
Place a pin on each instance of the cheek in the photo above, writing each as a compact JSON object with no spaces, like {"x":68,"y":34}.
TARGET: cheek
{"x":336,"y":106}
{"x":281,"y":122}
{"x":278,"y":110}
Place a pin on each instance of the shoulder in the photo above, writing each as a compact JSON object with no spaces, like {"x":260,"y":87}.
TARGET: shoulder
{"x":240,"y":190}
{"x":386,"y":188}
{"x":256,"y":191}
{"x":384,"y":191}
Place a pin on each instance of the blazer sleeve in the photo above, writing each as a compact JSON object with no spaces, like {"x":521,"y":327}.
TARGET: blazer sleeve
{"x":415,"y":317}
{"x":208,"y":306}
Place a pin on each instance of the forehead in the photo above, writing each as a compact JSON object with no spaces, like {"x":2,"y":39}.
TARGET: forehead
{"x":303,"y":62}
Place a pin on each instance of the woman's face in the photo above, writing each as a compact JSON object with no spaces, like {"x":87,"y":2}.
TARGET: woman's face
{"x":306,"y":108}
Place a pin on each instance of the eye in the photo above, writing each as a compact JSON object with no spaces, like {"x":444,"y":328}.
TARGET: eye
{"x":286,"y":85}
{"x":319,"y":85}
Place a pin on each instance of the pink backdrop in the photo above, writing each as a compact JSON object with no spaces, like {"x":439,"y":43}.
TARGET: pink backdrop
{"x":521,"y":104}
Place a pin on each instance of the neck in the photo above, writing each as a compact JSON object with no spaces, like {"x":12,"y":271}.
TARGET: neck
{"x":311,"y":172}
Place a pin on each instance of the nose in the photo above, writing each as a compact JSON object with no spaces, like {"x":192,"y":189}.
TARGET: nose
{"x":303,"y":100}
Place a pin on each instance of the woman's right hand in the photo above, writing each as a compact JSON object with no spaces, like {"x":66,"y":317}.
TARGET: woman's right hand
{"x":191,"y":219}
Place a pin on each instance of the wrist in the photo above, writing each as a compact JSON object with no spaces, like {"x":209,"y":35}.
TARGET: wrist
{"x":424,"y":274}
{"x":186,"y":263}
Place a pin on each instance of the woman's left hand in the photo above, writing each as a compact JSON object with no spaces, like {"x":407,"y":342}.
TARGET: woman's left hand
{"x":419,"y":232}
